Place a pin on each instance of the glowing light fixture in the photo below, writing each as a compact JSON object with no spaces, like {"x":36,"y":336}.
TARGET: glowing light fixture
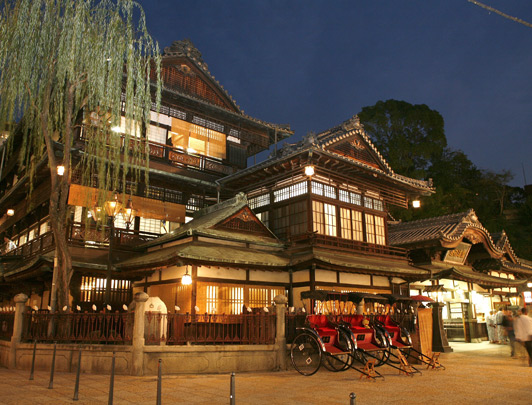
{"x":129,"y":213}
{"x":416,"y":203}
{"x":529,"y":285}
{"x":186,"y":279}
{"x":60,"y":170}
{"x":113,"y":207}
{"x":116,"y":129}
{"x":309,"y":170}
{"x":10,"y":212}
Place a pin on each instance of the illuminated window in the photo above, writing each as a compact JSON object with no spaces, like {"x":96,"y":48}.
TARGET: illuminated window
{"x":92,"y":289}
{"x":375,"y":231}
{"x":43,"y":228}
{"x":197,"y":139}
{"x":291,"y":191}
{"x":351,"y":224}
{"x":211,"y":302}
{"x":324,"y":218}
{"x":150,"y":225}
{"x":156,"y":134}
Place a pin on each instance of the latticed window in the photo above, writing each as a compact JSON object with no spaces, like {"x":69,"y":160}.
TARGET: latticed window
{"x":259,"y":201}
{"x":150,"y":225}
{"x":351,"y":225}
{"x":324,"y":218}
{"x":92,"y":289}
{"x":211,"y":302}
{"x":156,"y":134}
{"x":375,"y":230}
{"x":291,"y":191}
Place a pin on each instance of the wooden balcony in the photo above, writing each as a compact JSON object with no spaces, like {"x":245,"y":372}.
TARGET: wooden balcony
{"x":81,"y":236}
{"x":349,"y":245}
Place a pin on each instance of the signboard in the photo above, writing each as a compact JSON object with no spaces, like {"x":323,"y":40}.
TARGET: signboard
{"x":458,"y":255}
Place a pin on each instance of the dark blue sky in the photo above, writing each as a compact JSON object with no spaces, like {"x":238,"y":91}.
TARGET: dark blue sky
{"x":313,"y":64}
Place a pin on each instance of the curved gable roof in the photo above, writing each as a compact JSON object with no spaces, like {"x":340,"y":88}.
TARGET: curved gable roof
{"x":447,"y":231}
{"x":184,"y":70}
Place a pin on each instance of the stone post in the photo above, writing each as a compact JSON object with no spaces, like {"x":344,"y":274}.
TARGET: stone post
{"x":280,"y":334}
{"x":20,"y":301}
{"x":138,"y":334}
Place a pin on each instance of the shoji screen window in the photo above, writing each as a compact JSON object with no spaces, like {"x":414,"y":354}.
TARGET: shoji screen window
{"x":375,"y":230}
{"x":324,"y":218}
{"x":351,"y":224}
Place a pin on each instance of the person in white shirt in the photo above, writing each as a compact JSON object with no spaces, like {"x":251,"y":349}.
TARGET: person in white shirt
{"x":500,"y":329}
{"x":523,"y":332}
{"x":492,"y":327}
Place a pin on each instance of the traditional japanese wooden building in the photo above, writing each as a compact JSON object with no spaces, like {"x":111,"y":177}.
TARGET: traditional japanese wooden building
{"x":199,"y":136}
{"x":326,"y":197}
{"x":471,"y":270}
{"x":319,"y":221}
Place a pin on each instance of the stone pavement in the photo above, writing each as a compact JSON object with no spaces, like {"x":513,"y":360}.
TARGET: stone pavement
{"x":476,"y":373}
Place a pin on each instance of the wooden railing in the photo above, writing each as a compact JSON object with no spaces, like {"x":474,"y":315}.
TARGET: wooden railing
{"x":315,"y":239}
{"x":80,"y":235}
{"x":180,"y":158}
{"x":180,"y":329}
{"x":99,"y":328}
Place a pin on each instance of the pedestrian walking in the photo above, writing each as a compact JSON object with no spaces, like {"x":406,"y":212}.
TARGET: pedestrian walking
{"x":492,"y":327}
{"x":508,"y":325}
{"x":523,"y":332}
{"x":499,"y":316}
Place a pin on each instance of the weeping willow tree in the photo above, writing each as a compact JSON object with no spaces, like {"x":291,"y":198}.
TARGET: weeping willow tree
{"x":74,"y":68}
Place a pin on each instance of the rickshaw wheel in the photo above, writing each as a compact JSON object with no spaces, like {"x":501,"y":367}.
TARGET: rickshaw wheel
{"x":340,"y":362}
{"x":383,"y":355}
{"x":305,"y":354}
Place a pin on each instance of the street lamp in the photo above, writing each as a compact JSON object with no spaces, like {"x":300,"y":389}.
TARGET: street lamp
{"x":112,"y":208}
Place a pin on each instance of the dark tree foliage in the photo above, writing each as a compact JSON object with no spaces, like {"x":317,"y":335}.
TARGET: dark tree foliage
{"x":412,"y":140}
{"x":410,"y":136}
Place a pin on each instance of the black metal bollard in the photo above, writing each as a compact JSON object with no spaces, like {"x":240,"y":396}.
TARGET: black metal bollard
{"x":159,"y":387}
{"x":232,"y":394}
{"x":76,"y":388}
{"x":352,"y":398}
{"x":51,"y":384}
{"x":112,"y":382}
{"x":33,"y":360}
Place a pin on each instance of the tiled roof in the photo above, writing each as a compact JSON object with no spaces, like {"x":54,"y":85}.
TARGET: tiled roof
{"x":207,"y":252}
{"x":204,"y":220}
{"x":320,"y":142}
{"x":449,"y":227}
{"x":358,"y":264}
{"x":466,"y":274}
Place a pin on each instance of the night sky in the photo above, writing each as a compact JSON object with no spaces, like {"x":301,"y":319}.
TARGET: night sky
{"x":314,"y":64}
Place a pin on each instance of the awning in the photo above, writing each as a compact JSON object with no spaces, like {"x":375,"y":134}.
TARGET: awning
{"x":471,"y":276}
{"x":208,"y":253}
{"x":359,"y":264}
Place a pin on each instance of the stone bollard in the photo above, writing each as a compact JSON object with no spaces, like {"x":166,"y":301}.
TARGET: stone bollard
{"x":280,"y":335}
{"x":138,"y":334}
{"x":20,"y":310}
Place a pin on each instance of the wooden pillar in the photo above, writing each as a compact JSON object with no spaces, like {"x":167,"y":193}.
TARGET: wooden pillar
{"x":193,"y":289}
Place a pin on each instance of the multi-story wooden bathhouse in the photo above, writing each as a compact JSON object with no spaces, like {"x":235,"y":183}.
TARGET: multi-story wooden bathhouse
{"x":322,"y":205}
{"x":199,"y":136}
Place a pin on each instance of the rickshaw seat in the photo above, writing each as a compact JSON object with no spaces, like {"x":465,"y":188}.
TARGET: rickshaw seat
{"x":322,"y":325}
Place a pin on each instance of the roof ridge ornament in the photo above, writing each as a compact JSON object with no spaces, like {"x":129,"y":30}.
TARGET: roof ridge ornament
{"x":185,"y":47}
{"x":352,"y":123}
